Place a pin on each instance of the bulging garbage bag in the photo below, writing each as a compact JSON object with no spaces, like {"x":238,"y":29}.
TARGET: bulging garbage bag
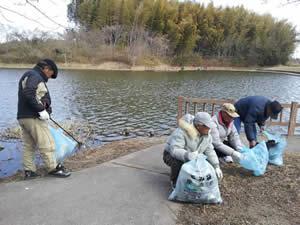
{"x":64,"y":146}
{"x":276,"y":151}
{"x":255,"y":159}
{"x":197,"y":183}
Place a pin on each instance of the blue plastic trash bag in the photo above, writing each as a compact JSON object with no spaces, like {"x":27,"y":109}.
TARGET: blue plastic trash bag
{"x":197,"y":183}
{"x":276,"y":152}
{"x":255,"y":159}
{"x":64,"y":146}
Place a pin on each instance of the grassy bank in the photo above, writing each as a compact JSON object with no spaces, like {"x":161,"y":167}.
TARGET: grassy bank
{"x":118,"y":66}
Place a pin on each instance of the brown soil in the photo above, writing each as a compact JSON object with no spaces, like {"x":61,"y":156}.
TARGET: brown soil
{"x":110,"y":151}
{"x":273,"y":199}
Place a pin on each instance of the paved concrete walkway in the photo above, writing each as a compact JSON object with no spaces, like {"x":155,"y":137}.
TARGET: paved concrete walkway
{"x":129,"y":190}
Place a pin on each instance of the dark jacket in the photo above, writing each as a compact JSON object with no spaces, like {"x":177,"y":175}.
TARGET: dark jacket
{"x":33,"y":95}
{"x":252,"y":109}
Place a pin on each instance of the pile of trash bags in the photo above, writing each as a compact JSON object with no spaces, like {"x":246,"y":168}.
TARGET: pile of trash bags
{"x":197,"y":183}
{"x":64,"y":146}
{"x":257,"y":158}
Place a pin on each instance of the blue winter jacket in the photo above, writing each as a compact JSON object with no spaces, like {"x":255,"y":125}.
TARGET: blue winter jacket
{"x":252,"y":110}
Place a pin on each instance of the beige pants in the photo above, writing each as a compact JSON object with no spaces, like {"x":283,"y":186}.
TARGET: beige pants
{"x":36,"y":134}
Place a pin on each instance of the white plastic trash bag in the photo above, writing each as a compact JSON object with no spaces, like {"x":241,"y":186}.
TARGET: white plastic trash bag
{"x":197,"y":183}
{"x":64,"y":146}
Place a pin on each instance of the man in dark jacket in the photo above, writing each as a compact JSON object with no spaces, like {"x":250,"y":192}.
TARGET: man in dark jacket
{"x":252,"y":110}
{"x":34,"y":107}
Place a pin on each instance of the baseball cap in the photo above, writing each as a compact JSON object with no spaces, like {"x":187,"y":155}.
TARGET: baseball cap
{"x":51,"y":64}
{"x":230,"y":110}
{"x":203,"y":118}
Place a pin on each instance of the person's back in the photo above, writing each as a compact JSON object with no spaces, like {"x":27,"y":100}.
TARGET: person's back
{"x":250,"y":107}
{"x":255,"y":110}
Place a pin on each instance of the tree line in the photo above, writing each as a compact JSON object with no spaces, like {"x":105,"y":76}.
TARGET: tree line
{"x":153,"y":31}
{"x":213,"y":32}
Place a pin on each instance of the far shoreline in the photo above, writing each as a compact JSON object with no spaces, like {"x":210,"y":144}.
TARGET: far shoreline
{"x":117,"y":66}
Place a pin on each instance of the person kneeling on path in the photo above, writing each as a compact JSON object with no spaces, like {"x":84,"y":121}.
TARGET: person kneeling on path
{"x":189,"y":140}
{"x":226,"y":140}
{"x":252,"y":110}
{"x":34,"y":107}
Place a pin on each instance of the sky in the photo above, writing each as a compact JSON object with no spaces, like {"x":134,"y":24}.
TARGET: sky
{"x":57,"y":11}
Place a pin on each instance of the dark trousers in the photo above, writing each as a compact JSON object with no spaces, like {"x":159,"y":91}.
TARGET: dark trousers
{"x":175,"y":165}
{"x":221,"y":154}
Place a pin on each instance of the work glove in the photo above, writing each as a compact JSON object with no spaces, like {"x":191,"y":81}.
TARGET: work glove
{"x":191,"y":155}
{"x":236,"y":156}
{"x":46,"y":104}
{"x":44,"y":115}
{"x":219,"y":173}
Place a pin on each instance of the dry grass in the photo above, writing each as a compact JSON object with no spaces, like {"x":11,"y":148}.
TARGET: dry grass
{"x":273,"y":199}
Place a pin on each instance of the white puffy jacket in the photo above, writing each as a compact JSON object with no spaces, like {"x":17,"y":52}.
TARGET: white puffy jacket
{"x":186,"y":138}
{"x":221,"y":133}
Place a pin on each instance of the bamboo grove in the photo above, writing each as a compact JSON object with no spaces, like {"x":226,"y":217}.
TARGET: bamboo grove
{"x":234,"y":34}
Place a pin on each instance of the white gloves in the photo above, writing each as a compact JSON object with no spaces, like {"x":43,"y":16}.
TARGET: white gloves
{"x":191,"y":155}
{"x":219,"y":173}
{"x":44,"y":115}
{"x":236,"y":156}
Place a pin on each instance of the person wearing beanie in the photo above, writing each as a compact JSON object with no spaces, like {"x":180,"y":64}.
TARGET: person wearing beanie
{"x":255,"y":110}
{"x":191,"y":138}
{"x":226,"y":140}
{"x":34,"y":109}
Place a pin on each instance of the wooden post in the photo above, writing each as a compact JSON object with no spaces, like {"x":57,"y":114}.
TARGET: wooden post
{"x":187,"y":107}
{"x":213,"y":109}
{"x":195,"y":108}
{"x":293,"y":118}
{"x":204,"y":107}
{"x":280,"y":118}
{"x":180,"y":108}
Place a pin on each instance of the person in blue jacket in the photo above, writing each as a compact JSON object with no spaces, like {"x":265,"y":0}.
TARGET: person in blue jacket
{"x":255,"y":110}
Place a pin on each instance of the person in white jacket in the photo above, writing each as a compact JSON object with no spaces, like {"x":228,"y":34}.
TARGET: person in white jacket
{"x":187,"y":141}
{"x":226,"y":140}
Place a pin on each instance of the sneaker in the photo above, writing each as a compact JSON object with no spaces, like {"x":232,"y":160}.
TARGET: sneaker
{"x":30,"y":175}
{"x":228,"y":159}
{"x":60,"y":171}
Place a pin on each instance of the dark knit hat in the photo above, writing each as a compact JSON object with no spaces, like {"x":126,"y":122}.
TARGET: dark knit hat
{"x":51,"y":64}
{"x":276,"y":108}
